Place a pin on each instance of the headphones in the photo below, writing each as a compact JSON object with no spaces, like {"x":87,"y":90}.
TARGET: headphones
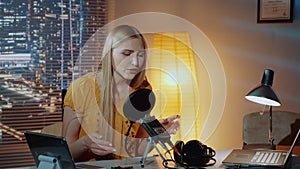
{"x":194,"y":154}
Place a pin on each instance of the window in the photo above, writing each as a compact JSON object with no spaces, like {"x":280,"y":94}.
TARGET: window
{"x":40,"y":42}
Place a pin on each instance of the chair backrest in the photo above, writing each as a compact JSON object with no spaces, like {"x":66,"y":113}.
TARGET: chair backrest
{"x":256,"y":126}
{"x":53,"y":129}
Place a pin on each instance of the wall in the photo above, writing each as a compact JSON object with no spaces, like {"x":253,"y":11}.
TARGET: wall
{"x":245,"y":49}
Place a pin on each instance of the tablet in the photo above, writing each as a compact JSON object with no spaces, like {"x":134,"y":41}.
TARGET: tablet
{"x":49,"y":147}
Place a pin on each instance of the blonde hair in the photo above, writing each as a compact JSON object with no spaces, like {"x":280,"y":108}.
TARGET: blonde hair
{"x":118,"y":35}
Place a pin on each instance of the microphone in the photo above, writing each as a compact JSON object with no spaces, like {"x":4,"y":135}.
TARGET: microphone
{"x":138,"y":107}
{"x":139,"y":104}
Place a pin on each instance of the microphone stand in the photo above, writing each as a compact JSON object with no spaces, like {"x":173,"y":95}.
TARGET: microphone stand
{"x":150,"y":141}
{"x":157,"y":134}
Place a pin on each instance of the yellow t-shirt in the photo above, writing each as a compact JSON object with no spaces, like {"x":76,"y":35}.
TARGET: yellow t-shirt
{"x":83,"y":96}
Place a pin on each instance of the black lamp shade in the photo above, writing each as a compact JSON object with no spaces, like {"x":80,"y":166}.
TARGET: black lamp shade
{"x":264,"y":93}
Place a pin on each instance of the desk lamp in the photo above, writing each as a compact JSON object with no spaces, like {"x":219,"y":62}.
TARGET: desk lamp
{"x":265,"y":95}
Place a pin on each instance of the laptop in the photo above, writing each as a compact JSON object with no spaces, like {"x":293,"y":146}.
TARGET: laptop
{"x":259,"y":158}
{"x":51,"y":151}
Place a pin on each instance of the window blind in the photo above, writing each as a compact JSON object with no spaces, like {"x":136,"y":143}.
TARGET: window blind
{"x":174,"y":79}
{"x":40,"y":42}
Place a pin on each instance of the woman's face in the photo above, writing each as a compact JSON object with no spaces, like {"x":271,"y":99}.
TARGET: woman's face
{"x":129,"y":58}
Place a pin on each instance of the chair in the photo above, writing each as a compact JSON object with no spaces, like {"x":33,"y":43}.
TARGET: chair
{"x":53,"y":129}
{"x":256,"y":128}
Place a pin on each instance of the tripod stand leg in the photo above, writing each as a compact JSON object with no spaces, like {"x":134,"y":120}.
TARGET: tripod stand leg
{"x":160,"y":154}
{"x":146,"y":152}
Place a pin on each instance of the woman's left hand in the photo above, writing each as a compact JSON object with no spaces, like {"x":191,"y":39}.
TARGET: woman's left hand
{"x":171,"y":124}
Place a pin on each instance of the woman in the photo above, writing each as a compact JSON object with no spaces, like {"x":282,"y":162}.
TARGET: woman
{"x":93,"y":124}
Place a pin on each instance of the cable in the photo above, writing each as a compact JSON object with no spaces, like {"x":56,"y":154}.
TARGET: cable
{"x":127,"y":145}
{"x":165,"y":162}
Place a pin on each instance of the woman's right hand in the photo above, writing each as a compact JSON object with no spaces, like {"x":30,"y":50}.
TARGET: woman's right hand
{"x":86,"y":147}
{"x":97,"y":145}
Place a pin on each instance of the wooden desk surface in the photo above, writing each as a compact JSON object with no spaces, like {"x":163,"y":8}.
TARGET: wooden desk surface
{"x":151,"y":162}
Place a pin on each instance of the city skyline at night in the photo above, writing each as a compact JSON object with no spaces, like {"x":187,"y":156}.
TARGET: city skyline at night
{"x":40,"y":41}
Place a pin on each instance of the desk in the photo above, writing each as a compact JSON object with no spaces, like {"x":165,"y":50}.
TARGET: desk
{"x":156,"y":162}
{"x":150,"y":163}
{"x":153,"y":162}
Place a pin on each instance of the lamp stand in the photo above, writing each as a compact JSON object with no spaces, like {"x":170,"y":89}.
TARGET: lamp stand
{"x":271,"y":139}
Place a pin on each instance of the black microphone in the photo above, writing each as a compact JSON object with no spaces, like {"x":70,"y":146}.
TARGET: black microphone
{"x":139,"y":104}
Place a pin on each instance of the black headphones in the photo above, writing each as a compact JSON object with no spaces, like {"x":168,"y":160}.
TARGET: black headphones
{"x":194,"y":154}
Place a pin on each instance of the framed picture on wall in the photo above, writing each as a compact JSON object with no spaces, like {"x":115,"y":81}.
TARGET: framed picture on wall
{"x":270,"y":11}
